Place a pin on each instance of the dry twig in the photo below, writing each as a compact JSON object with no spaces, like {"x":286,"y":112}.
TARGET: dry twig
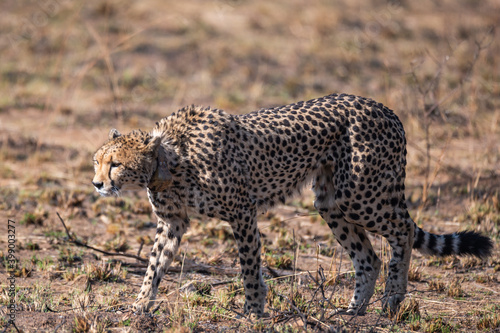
{"x":79,"y":243}
{"x":189,"y":265}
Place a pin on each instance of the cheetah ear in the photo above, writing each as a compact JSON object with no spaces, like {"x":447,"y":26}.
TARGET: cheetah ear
{"x":113,"y":134}
{"x":161,"y":179}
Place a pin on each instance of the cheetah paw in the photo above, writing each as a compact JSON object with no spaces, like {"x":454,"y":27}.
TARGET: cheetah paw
{"x":141,"y":306}
{"x":350,"y":311}
{"x":253,"y":316}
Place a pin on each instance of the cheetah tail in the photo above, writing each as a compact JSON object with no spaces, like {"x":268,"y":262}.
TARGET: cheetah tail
{"x":459,"y":243}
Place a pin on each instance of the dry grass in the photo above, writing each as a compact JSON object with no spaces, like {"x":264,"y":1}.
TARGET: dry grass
{"x":455,"y":289}
{"x":409,"y":311}
{"x":436,"y":285}
{"x":72,"y":70}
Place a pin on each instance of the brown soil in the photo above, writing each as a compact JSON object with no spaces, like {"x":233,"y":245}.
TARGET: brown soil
{"x":70,"y":71}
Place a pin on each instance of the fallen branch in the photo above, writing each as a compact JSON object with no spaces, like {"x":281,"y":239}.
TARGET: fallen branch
{"x":9,"y":323}
{"x":189,"y":265}
{"x":79,"y":243}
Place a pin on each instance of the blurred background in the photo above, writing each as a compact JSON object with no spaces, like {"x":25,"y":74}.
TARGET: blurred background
{"x":71,"y":70}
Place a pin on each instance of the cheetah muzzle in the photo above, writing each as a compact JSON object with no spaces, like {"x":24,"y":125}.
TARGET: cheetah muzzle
{"x":352,"y":150}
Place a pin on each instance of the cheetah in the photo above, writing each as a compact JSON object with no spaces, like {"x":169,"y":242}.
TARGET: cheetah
{"x":351,"y":149}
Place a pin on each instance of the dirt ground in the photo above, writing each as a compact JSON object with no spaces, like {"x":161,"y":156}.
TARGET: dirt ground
{"x":72,"y":70}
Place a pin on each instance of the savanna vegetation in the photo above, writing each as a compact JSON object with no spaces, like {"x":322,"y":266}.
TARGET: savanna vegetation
{"x":71,"y":70}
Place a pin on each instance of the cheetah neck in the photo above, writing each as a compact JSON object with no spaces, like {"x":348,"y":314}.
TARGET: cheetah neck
{"x":161,"y":177}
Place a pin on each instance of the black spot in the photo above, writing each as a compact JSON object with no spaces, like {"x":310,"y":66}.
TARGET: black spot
{"x":354,"y":216}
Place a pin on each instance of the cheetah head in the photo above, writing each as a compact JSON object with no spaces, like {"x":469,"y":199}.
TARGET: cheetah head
{"x":129,"y":162}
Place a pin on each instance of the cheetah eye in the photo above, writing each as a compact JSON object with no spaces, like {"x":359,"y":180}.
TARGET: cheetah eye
{"x":115,"y":164}
{"x":95,"y":162}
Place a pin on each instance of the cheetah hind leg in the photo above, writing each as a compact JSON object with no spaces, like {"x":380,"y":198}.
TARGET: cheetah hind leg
{"x":366,"y":263}
{"x":397,"y":279}
{"x":353,"y":239}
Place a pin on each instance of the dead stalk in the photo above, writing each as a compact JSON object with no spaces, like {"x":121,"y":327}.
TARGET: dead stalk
{"x":430,"y":103}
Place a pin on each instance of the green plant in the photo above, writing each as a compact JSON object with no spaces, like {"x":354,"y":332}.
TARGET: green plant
{"x":67,"y":256}
{"x":43,"y":264}
{"x":489,"y":321}
{"x":33,"y":218}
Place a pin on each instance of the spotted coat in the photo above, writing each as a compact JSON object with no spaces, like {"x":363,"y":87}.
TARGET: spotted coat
{"x":352,"y":150}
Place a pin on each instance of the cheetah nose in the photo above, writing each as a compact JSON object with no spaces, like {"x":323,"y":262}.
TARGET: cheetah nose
{"x":97,"y":185}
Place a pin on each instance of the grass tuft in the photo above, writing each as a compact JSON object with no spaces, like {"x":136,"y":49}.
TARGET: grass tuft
{"x":409,"y":311}
{"x":455,"y":289}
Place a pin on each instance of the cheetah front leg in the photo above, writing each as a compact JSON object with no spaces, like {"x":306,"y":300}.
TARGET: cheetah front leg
{"x":247,"y":238}
{"x":168,"y":236}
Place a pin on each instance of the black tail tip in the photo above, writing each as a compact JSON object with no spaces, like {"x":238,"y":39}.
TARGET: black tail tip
{"x":474,"y":244}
